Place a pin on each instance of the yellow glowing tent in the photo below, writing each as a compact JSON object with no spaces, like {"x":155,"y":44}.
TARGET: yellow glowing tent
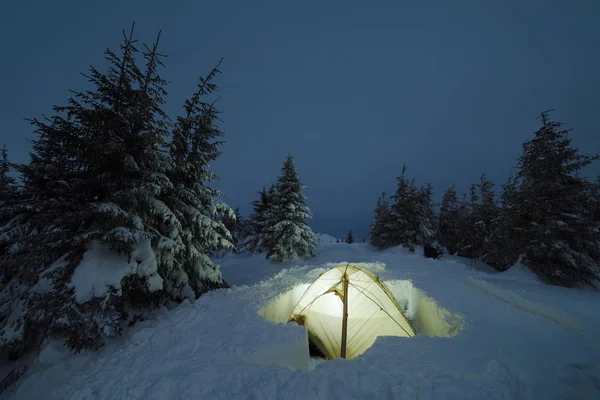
{"x":346,"y":309}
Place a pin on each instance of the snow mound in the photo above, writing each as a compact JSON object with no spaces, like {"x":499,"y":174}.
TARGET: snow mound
{"x":426,"y":315}
{"x":325,"y":239}
{"x":519,"y":272}
{"x":101,"y":268}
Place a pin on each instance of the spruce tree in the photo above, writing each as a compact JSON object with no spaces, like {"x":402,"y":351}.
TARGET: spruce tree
{"x":450,"y":220}
{"x":427,"y":233}
{"x":289,"y":237}
{"x":9,"y":203}
{"x":349,"y":237}
{"x":380,"y":233}
{"x":195,"y":145}
{"x":8,"y":185}
{"x":256,"y":241}
{"x":238,"y":228}
{"x":99,"y":184}
{"x":405,"y":212}
{"x":561,"y":239}
{"x":473,"y":231}
{"x":506,"y":238}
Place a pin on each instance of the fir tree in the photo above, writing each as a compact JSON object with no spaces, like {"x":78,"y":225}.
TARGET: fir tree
{"x":426,"y":233}
{"x":256,"y":241}
{"x":9,"y":192}
{"x":99,"y":182}
{"x":8,"y":186}
{"x":380,"y":234}
{"x":202,"y":231}
{"x":506,"y":238}
{"x":561,"y":239}
{"x":288,"y":235}
{"x":239,"y":228}
{"x":93,"y":176}
{"x":405,"y":218}
{"x":412,"y":214}
{"x":350,"y":238}
{"x":450,"y":220}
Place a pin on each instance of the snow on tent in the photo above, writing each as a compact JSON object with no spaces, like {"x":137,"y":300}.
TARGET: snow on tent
{"x":346,"y":309}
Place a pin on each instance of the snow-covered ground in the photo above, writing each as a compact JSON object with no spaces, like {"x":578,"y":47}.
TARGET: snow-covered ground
{"x":499,"y":336}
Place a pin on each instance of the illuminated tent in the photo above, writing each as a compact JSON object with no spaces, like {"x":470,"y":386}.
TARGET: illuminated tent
{"x":346,"y":309}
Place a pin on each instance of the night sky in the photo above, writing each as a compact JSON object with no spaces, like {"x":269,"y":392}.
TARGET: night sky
{"x":352,"y":89}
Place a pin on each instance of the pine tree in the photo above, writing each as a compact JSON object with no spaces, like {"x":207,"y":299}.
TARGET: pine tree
{"x":505,"y":240}
{"x":202,"y":230}
{"x":427,"y":233}
{"x":380,"y":234}
{"x":450,"y":220}
{"x":350,"y":238}
{"x":404,"y":212}
{"x":412,"y":214}
{"x":289,"y":237}
{"x":561,"y":239}
{"x":9,"y":191}
{"x":256,"y":241}
{"x":238,"y":227}
{"x":99,"y":182}
{"x":8,"y":186}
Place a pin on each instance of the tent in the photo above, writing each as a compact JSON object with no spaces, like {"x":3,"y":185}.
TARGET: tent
{"x":346,"y":309}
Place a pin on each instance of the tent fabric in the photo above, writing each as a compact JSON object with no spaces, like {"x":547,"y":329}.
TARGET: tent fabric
{"x":372,"y":311}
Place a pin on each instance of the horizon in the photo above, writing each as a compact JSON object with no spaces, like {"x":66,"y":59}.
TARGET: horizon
{"x":352,"y":92}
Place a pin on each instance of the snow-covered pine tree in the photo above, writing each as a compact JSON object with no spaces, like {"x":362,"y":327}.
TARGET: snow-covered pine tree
{"x":595,"y":196}
{"x":506,"y":238}
{"x":488,"y":209}
{"x":9,"y":203}
{"x":8,"y":185}
{"x":349,"y":237}
{"x":561,"y":238}
{"x":450,"y":220}
{"x":289,"y":237}
{"x":380,"y":234}
{"x":473,"y":228}
{"x":238,"y":228}
{"x":94,"y":188}
{"x":256,"y":241}
{"x":426,"y":233}
{"x":407,"y":213}
{"x":194,"y":147}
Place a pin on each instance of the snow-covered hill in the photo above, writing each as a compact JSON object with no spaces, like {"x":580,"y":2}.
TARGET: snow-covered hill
{"x":499,"y":336}
{"x":325,"y":239}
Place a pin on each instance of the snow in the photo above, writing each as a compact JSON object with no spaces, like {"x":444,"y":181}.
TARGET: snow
{"x":481,"y":335}
{"x":101,"y":268}
{"x":324,"y":239}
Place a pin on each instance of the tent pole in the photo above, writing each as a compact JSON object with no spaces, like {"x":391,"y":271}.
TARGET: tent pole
{"x":345,"y":316}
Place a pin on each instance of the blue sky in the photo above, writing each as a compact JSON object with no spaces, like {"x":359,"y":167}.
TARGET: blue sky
{"x":353,"y":89}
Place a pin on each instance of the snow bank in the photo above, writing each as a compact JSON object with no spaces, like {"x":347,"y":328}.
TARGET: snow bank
{"x":426,"y":315}
{"x":101,"y":268}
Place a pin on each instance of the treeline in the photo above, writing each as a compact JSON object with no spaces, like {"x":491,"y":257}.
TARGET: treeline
{"x":547,"y":217}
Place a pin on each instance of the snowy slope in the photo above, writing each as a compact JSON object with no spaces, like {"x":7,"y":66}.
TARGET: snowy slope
{"x":325,"y":239}
{"x":501,"y":336}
